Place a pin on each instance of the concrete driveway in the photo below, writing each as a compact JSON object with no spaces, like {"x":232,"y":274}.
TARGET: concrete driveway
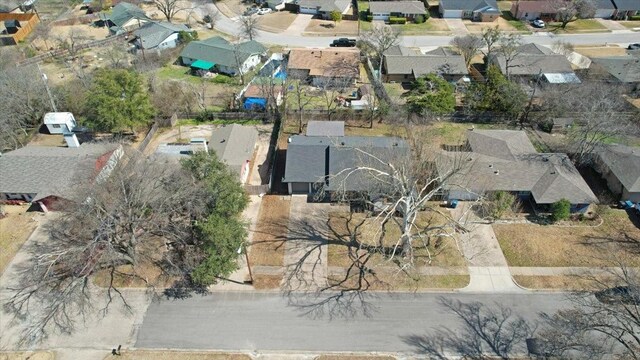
{"x":298,"y":25}
{"x":457,"y":27}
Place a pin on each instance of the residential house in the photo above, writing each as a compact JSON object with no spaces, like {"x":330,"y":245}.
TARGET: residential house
{"x":532,"y":60}
{"x":534,"y":9}
{"x":235,"y":144}
{"x":626,"y":9}
{"x":325,"y":128}
{"x":604,"y":9}
{"x":59,"y":122}
{"x":403,"y":65}
{"x":325,"y":67}
{"x":219,"y":55}
{"x":48,"y":175}
{"x":158,"y":35}
{"x":476,"y":10}
{"x":619,"y":165}
{"x":383,"y":10}
{"x":324,"y":7}
{"x":323,"y":164}
{"x":124,"y":17}
{"x":622,"y":70}
{"x":505,"y":160}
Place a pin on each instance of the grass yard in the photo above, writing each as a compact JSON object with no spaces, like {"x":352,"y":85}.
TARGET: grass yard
{"x":266,"y":282}
{"x":27,"y":355}
{"x":177,"y":355}
{"x":504,"y":5}
{"x":431,"y":25}
{"x":386,"y":274}
{"x":478,"y":27}
{"x":630,"y":24}
{"x":268,"y":241}
{"x":578,"y":26}
{"x":595,"y":51}
{"x":321,"y":27}
{"x":559,"y":282}
{"x":517,"y":24}
{"x":539,"y":245}
{"x":277,"y":21}
{"x":15,"y":229}
{"x":355,"y":357}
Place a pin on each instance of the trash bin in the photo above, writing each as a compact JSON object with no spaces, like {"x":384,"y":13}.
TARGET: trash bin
{"x":453,"y":204}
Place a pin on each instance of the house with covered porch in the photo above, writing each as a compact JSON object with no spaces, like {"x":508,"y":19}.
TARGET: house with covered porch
{"x":216,"y":54}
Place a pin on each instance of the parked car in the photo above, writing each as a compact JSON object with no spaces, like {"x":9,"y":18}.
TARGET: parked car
{"x":251,"y":11}
{"x":619,"y":295}
{"x":635,"y":46}
{"x":343,"y":42}
{"x":264,"y":11}
{"x":538,"y":23}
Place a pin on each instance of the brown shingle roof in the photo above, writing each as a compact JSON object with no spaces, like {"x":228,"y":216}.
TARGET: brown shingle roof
{"x":326,"y":62}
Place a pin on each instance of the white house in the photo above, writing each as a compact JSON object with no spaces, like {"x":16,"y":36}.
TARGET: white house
{"x":59,"y":122}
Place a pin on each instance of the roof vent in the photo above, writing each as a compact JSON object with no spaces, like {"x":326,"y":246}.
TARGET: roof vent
{"x":497,"y":172}
{"x":545,"y":159}
{"x":395,"y":144}
{"x":490,"y":165}
{"x":342,"y":143}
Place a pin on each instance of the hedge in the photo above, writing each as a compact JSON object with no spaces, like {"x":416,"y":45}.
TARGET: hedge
{"x":397,"y":20}
{"x":419,"y":19}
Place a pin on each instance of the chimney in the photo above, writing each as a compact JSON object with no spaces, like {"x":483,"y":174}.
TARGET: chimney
{"x":71,"y":139}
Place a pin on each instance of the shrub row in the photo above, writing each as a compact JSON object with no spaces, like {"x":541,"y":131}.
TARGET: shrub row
{"x":397,"y":20}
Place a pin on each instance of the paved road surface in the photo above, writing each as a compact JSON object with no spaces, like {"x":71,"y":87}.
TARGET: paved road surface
{"x":264,"y":322}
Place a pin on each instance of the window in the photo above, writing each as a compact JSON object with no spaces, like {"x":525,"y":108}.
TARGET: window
{"x":56,"y":126}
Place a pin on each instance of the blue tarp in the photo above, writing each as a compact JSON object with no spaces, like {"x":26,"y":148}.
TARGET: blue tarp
{"x":255,"y":103}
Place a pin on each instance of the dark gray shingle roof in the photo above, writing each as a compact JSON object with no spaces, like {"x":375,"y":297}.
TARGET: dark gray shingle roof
{"x":624,"y":68}
{"x":326,"y":5}
{"x":425,"y":64}
{"x":627,"y":5}
{"x":49,"y":171}
{"x":604,"y":4}
{"x":624,"y":163}
{"x":124,"y":12}
{"x":152,"y":34}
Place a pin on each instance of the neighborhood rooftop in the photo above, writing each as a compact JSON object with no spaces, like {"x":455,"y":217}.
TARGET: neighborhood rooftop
{"x":403,"y":7}
{"x":234,"y":144}
{"x":44,"y":171}
{"x":218,"y":51}
{"x":322,"y":62}
{"x":325,"y":5}
{"x":531,"y":60}
{"x":624,"y":68}
{"x":624,"y":163}
{"x":470,"y":5}
{"x":505,"y":160}
{"x":436,"y":61}
{"x":153,"y":33}
{"x":325,"y":128}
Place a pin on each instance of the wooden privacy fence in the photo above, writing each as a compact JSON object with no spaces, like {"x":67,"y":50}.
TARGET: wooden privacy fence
{"x":27,"y":23}
{"x":62,"y":52}
{"x":147,"y":139}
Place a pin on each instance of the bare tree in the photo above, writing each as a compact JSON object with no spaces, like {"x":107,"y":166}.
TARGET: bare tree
{"x":599,"y":112}
{"x":72,"y":41}
{"x":562,"y":47}
{"x":108,"y":229}
{"x":296,"y":93}
{"x":491,"y":38}
{"x":571,"y":10}
{"x":169,"y":8}
{"x":380,"y":39}
{"x":509,"y":49}
{"x":249,"y":26}
{"x":170,"y":97}
{"x":401,"y":185}
{"x":468,"y":46}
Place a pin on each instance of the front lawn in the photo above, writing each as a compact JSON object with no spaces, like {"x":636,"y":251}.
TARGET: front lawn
{"x":15,"y":229}
{"x":578,"y":26}
{"x":630,"y":24}
{"x":431,"y":25}
{"x":555,"y":246}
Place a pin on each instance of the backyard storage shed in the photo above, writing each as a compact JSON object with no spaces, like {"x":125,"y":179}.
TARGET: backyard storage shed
{"x":59,"y":122}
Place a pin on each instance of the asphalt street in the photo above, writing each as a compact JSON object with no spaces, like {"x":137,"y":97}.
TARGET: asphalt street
{"x":266,"y":322}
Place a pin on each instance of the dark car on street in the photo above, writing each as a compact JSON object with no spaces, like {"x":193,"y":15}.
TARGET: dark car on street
{"x":635,"y":46}
{"x":343,"y":42}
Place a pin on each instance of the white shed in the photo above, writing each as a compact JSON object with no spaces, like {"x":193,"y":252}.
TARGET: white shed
{"x":59,"y":122}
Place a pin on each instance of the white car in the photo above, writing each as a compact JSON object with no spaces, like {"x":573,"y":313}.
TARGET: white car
{"x":538,"y":23}
{"x":264,"y":11}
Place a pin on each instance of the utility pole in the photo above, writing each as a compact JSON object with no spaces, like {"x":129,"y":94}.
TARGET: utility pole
{"x":46,"y":86}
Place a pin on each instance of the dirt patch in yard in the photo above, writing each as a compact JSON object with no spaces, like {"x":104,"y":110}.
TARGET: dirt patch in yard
{"x":595,"y":51}
{"x":321,"y":27}
{"x":177,"y":355}
{"x":15,"y":229}
{"x":267,"y":248}
{"x":277,"y":21}
{"x":266,"y":282}
{"x":355,"y":357}
{"x":477,"y":27}
{"x":555,"y":246}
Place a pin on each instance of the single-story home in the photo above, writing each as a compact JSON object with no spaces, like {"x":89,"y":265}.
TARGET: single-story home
{"x":124,"y":17}
{"x":235,"y":144}
{"x":324,"y":67}
{"x":327,"y":163}
{"x":216,"y":54}
{"x":619,"y":165}
{"x":505,"y":160}
{"x":476,"y":10}
{"x":158,"y":35}
{"x":383,"y":10}
{"x":604,"y":9}
{"x":404,"y":65}
{"x":48,"y":175}
{"x":257,"y":96}
{"x":624,"y":70}
{"x":532,"y":60}
{"x":324,"y":7}
{"x":60,"y":122}
{"x":625,"y":9}
{"x":531,"y":10}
